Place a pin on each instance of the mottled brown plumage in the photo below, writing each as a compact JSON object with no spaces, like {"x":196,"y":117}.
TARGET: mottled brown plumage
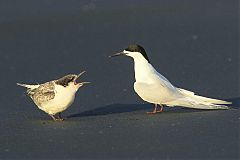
{"x":55,"y":96}
{"x":43,"y":93}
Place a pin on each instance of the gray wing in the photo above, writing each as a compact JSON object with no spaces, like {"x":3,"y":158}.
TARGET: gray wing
{"x":43,"y":93}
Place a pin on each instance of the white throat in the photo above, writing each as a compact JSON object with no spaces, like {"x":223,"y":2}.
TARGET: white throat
{"x":143,"y":69}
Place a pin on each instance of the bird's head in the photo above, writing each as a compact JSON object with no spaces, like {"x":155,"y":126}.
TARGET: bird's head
{"x":133,"y":50}
{"x":70,"y":80}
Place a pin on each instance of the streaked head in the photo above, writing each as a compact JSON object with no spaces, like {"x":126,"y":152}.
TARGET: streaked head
{"x":70,"y":80}
{"x":134,"y":51}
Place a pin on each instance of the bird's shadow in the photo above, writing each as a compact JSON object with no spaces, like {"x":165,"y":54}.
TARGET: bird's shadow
{"x":111,"y":109}
{"x":125,"y":108}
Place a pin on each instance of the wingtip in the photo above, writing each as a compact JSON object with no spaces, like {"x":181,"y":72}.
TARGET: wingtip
{"x":225,"y":102}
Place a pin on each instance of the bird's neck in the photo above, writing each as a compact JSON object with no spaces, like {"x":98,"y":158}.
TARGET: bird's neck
{"x":143,"y":70}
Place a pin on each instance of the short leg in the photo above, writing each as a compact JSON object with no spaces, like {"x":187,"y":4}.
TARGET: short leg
{"x":60,"y":117}
{"x":55,"y":119}
{"x":154,"y":110}
{"x":161,"y":108}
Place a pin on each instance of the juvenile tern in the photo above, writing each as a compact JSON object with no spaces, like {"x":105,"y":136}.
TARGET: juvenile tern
{"x":55,"y":96}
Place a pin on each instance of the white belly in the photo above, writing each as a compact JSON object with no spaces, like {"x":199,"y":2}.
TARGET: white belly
{"x":62,"y":100}
{"x":156,"y":94}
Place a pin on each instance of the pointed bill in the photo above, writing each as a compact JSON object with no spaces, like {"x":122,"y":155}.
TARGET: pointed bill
{"x":80,"y":83}
{"x":117,"y":54}
{"x":79,"y":75}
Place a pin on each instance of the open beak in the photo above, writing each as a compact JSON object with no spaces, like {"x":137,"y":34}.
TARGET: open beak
{"x":80,"y":83}
{"x":78,"y":76}
{"x":117,"y":54}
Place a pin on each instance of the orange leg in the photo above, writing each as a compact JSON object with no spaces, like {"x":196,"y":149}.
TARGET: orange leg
{"x":161,"y":108}
{"x":53,"y":117}
{"x":154,"y":110}
{"x":58,"y":118}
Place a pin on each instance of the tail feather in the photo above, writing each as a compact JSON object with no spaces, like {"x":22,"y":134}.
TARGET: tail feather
{"x":211,"y":100}
{"x":190,"y":100}
{"x":201,"y":98}
{"x":28,"y":86}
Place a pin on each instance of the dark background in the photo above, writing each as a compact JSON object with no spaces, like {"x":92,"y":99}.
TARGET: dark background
{"x":194,"y":43}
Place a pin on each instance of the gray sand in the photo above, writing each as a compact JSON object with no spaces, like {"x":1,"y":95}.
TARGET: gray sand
{"x":192,"y":43}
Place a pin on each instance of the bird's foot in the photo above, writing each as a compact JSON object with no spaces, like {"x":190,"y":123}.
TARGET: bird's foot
{"x":153,"y":112}
{"x":156,"y":110}
{"x":160,"y":110}
{"x":55,"y":119}
{"x":59,"y":118}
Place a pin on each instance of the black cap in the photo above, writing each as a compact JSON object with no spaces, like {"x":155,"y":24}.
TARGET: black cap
{"x":137,"y":48}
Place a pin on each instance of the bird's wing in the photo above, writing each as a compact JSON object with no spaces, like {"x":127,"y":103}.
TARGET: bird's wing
{"x":164,"y":81}
{"x":156,"y":89}
{"x":190,"y":100}
{"x":157,"y":93}
{"x":29,"y":86}
{"x":181,"y":97}
{"x":43,"y":93}
{"x":201,"y":98}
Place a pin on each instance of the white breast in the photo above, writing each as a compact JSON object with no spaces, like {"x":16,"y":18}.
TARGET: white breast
{"x":150,"y":85}
{"x":64,"y":97}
